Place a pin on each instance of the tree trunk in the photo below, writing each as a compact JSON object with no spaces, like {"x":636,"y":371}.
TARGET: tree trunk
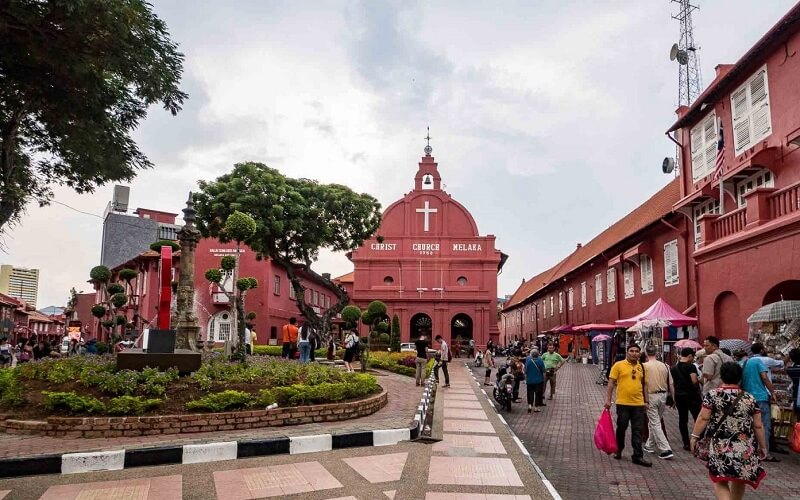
{"x":319,"y":323}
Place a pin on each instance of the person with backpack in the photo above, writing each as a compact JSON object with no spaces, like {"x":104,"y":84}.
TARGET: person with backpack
{"x":350,"y":349}
{"x":304,"y":342}
{"x":445,"y":357}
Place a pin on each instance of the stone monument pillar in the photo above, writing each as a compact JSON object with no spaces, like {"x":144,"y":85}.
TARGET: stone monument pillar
{"x":184,"y":320}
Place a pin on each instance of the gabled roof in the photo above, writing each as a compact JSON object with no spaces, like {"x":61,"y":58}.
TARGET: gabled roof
{"x":345,"y":278}
{"x":788,"y":24}
{"x":41,"y":318}
{"x":657,"y":206}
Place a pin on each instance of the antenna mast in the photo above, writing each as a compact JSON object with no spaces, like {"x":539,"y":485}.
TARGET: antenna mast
{"x":690,"y":81}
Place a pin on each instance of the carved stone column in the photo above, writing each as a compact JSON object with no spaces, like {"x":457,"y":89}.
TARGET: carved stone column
{"x":184,"y":319}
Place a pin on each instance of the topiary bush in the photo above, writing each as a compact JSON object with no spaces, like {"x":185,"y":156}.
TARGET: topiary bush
{"x":214,"y":276}
{"x":127,"y":274}
{"x":115,"y":288}
{"x":100,"y":274}
{"x":156,"y":247}
{"x":98,"y":311}
{"x":227,"y":263}
{"x":119,"y":299}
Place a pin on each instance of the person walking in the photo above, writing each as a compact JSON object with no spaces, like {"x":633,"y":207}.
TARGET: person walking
{"x":444,"y":358}
{"x":331,"y":353}
{"x":304,"y":342}
{"x":289,"y":338}
{"x":658,"y":382}
{"x":248,"y":341}
{"x":627,"y":377}
{"x":422,"y":359}
{"x":350,"y":349}
{"x":534,"y":380}
{"x":756,"y":382}
{"x":737,"y":443}
{"x":553,"y":361}
{"x":712,"y":363}
{"x":488,"y":360}
{"x":687,"y":392}
{"x":6,"y":356}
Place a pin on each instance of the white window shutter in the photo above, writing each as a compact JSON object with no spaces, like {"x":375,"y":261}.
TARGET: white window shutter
{"x":583,"y":294}
{"x":646,"y":268}
{"x":741,"y":119}
{"x":611,"y":284}
{"x":571,"y":299}
{"x":698,"y":162}
{"x":598,"y":289}
{"x":627,"y":279}
{"x":710,"y":137}
{"x":671,"y":263}
{"x":759,"y":98}
{"x":560,"y":302}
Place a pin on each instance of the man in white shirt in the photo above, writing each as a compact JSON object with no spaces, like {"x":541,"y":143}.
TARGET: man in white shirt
{"x":248,"y":341}
{"x":444,"y":352}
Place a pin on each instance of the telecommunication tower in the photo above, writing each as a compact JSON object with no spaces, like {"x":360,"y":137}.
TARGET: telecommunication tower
{"x":690,"y":82}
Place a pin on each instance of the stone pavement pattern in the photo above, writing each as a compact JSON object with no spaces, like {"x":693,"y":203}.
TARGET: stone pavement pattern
{"x":465,"y":465}
{"x":561,"y":442}
{"x":398,"y":413}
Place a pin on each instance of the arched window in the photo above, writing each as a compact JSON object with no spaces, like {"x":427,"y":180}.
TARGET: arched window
{"x":462,"y":281}
{"x":219,"y":327}
{"x":388,"y":280}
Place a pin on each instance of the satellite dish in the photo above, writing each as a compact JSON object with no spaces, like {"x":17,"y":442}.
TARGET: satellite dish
{"x":682,"y":57}
{"x":668,"y":165}
{"x":673,"y":52}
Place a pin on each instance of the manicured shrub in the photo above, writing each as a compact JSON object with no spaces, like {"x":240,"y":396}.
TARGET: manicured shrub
{"x":156,"y":247}
{"x":71,"y":403}
{"x":11,"y":393}
{"x":221,"y":401}
{"x":131,"y":405}
{"x":115,"y":288}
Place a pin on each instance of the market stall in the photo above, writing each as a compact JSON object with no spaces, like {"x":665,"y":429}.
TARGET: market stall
{"x":777,"y":326}
{"x":655,"y":326}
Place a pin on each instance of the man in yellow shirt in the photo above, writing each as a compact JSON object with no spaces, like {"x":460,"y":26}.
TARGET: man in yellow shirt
{"x":627,"y":376}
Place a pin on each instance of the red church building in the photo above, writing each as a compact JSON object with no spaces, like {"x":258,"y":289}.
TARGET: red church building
{"x":430,"y":265}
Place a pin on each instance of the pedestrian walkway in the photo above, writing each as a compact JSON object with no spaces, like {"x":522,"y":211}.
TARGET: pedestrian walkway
{"x":478,"y":458}
{"x":560,"y":440}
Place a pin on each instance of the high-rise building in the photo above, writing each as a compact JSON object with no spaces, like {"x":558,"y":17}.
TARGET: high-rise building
{"x":20,"y":283}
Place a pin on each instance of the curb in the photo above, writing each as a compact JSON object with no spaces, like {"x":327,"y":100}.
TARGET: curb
{"x":72,"y":463}
{"x":550,"y":488}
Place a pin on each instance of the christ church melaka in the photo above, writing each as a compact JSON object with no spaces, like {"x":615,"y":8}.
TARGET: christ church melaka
{"x":430,"y":266}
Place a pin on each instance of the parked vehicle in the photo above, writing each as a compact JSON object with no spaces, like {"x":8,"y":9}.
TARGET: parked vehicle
{"x":504,"y":388}
{"x":64,"y":349}
{"x":479,"y":359}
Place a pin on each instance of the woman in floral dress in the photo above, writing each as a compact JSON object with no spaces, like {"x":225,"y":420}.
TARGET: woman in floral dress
{"x":733,"y":459}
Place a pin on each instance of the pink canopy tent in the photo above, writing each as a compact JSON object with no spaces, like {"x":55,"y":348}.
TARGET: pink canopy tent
{"x":660,"y":310}
{"x":595,"y":327}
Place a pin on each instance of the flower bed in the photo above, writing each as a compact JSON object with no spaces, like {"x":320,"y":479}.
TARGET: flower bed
{"x":91,"y":385}
{"x":277,"y":351}
{"x":403,"y":363}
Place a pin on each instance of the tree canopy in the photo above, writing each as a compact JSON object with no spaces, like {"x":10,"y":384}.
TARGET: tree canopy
{"x":76,"y":78}
{"x":295,"y":219}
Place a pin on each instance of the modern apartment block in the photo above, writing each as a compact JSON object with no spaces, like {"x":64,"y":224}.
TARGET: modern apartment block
{"x":20,"y":283}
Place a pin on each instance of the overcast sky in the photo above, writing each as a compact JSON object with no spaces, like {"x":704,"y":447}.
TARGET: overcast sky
{"x":547,"y":117}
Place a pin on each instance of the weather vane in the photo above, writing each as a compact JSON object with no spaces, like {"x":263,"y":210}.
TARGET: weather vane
{"x":428,"y":148}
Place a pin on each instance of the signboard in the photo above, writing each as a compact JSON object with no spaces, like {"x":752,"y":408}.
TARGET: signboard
{"x":74,"y":332}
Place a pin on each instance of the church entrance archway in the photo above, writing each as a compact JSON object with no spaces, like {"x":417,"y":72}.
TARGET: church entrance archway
{"x":727,"y":323}
{"x":786,"y":290}
{"x":461,"y":328}
{"x":421,"y":324}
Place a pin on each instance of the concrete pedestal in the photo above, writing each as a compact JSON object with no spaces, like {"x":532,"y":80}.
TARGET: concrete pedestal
{"x":185,"y":360}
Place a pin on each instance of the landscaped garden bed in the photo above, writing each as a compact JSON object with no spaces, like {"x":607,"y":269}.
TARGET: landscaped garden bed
{"x":403,"y":363}
{"x":91,"y":386}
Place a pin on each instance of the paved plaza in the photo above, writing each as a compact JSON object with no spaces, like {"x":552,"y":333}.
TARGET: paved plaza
{"x":476,"y":459}
{"x":560,"y":440}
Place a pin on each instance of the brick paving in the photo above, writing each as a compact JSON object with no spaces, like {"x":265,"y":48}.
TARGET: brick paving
{"x":560,"y":440}
{"x":398,"y":412}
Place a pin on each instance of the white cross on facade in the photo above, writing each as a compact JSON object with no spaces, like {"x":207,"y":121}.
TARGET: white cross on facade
{"x":427,"y":211}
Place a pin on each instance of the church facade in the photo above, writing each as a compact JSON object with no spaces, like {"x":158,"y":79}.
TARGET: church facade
{"x":430,"y":265}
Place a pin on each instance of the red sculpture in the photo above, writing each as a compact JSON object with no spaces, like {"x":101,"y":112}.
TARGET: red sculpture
{"x":165,"y":297}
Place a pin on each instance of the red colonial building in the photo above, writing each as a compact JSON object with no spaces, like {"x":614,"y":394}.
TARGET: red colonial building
{"x":618,"y":274}
{"x":716,"y":259}
{"x":430,"y":265}
{"x":748,"y":242}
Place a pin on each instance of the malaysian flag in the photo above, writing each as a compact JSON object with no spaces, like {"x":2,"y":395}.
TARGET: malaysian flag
{"x":720,"y":154}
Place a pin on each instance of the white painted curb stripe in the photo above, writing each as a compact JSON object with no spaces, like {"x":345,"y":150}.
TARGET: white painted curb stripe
{"x":73,"y":463}
{"x":502,"y":419}
{"x":522,"y":447}
{"x":390,"y":436}
{"x":311,"y":444}
{"x":210,"y":452}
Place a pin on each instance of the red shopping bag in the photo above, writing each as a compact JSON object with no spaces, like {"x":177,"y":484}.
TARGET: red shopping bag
{"x":604,"y":437}
{"x":794,"y":444}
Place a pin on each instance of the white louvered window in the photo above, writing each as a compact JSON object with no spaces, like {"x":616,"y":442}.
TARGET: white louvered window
{"x":560,"y":302}
{"x":671,"y":263}
{"x":598,"y":289}
{"x":709,"y":207}
{"x":762,"y":178}
{"x":583,"y":294}
{"x":611,"y":284}
{"x":571,"y":299}
{"x":750,"y":109}
{"x":551,"y":306}
{"x":646,"y":271}
{"x":627,"y":279}
{"x":704,"y":146}
{"x":544,"y":308}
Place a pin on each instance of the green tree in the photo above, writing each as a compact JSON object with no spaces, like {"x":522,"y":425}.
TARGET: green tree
{"x":295,"y":219}
{"x":372,"y":316}
{"x":76,"y":78}
{"x":395,"y":334}
{"x":238,"y":227}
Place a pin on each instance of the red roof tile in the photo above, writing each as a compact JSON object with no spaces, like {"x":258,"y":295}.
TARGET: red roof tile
{"x":658,"y":206}
{"x":345,"y":278}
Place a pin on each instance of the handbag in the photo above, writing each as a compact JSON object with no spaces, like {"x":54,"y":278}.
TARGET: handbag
{"x":703,"y":445}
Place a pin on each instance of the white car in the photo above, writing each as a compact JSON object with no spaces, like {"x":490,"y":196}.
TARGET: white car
{"x":410,"y":347}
